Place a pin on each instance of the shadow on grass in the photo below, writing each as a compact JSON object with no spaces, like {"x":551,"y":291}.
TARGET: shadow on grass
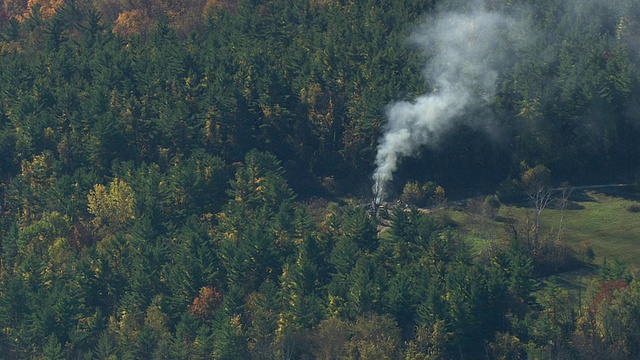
{"x":570,"y":205}
{"x":577,"y":278}
{"x":581,"y":195}
{"x":626,"y":192}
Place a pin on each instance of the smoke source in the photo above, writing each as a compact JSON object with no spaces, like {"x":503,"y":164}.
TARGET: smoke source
{"x":466,"y":50}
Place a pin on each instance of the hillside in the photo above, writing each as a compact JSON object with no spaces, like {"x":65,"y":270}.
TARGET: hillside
{"x":181,"y":179}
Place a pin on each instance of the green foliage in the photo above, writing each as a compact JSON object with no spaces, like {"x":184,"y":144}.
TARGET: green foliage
{"x":149,"y":176}
{"x":374,"y":337}
{"x":52,"y":350}
{"x":618,"y":318}
{"x":229,"y":342}
{"x":557,"y":320}
{"x":413,"y":194}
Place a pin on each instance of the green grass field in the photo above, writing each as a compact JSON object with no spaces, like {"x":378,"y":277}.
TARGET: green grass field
{"x":605,"y":224}
{"x":594,"y":218}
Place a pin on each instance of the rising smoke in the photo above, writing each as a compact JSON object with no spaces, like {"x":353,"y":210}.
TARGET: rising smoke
{"x":466,"y":51}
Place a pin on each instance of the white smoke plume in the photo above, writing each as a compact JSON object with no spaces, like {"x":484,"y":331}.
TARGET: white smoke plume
{"x":466,"y":51}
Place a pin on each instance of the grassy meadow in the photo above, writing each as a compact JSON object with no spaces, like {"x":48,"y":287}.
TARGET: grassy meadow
{"x":599,"y":219}
{"x":606,"y":224}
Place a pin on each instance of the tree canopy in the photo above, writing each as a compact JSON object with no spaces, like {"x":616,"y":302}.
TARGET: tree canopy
{"x":163,"y":165}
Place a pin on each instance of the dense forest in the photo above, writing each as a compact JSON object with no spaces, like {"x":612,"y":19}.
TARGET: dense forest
{"x":173,"y":173}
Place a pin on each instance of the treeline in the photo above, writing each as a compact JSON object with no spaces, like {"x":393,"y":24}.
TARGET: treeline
{"x":150,"y":182}
{"x":309,"y":82}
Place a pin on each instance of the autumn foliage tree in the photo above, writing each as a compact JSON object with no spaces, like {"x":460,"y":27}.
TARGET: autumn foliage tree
{"x":204,"y":305}
{"x":112,"y":206}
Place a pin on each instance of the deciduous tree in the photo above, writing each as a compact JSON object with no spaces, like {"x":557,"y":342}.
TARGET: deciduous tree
{"x":113,"y":207}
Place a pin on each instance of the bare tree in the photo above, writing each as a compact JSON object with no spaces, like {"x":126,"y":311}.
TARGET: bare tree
{"x":536,"y":183}
{"x":565,"y":193}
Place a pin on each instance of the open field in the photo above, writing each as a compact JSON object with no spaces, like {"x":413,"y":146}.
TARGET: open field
{"x":606,"y":225}
{"x":599,"y":219}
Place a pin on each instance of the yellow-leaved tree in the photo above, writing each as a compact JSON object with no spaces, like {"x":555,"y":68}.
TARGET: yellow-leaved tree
{"x":47,"y":7}
{"x":112,"y":206}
